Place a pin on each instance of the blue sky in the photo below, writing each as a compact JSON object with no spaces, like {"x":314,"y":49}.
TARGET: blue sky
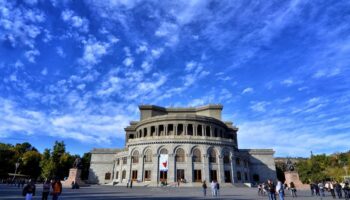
{"x":77,"y":70}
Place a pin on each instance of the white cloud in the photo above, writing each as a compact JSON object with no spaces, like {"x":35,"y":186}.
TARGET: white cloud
{"x":75,"y":21}
{"x":93,"y":52}
{"x":128,"y":61}
{"x":44,"y":71}
{"x":248,"y":90}
{"x":156,"y":53}
{"x":31,"y":54}
{"x":287,"y":82}
{"x":259,"y":106}
{"x":60,"y":52}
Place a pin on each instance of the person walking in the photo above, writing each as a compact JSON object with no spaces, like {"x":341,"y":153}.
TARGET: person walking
{"x":204,"y":186}
{"x":271,"y":190}
{"x":338,"y":190}
{"x":293,"y":189}
{"x":217,"y":189}
{"x":346,"y":190}
{"x":29,"y":190}
{"x":56,"y":189}
{"x":213,"y":188}
{"x":46,"y":190}
{"x":321,"y":186}
{"x":280,"y":190}
{"x":312,"y":188}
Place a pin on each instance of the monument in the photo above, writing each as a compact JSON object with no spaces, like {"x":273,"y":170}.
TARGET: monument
{"x":74,"y":174}
{"x":292,"y":176}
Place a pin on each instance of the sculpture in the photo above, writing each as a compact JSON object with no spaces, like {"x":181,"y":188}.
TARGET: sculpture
{"x":290,"y":165}
{"x":77,"y":163}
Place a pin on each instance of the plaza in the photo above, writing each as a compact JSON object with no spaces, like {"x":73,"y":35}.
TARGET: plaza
{"x":98,"y":192}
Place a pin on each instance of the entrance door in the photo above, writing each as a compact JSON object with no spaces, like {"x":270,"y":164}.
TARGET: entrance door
{"x":227,"y":176}
{"x":163,"y":176}
{"x":134,"y":175}
{"x":213,"y":175}
{"x":180,"y":175}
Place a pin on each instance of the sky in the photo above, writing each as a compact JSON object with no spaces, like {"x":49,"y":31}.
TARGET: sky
{"x":77,"y":70}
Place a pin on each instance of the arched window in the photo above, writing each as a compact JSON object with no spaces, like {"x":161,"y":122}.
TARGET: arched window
{"x":163,"y":151}
{"x":212,"y":155}
{"x":135,"y":157}
{"x":226,"y":157}
{"x":148,"y":156}
{"x":180,"y":155}
{"x":196,"y":155}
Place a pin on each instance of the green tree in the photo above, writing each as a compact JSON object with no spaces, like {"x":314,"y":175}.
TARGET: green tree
{"x":31,"y":164}
{"x":7,"y":159}
{"x":85,"y":160}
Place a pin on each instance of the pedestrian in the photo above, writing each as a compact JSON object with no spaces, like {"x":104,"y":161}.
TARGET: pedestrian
{"x":204,"y":186}
{"x":213,"y":188}
{"x":217,"y":189}
{"x":46,"y":190}
{"x":56,"y":188}
{"x":280,"y":190}
{"x":312,"y":188}
{"x":293,"y":189}
{"x":130,"y":184}
{"x":346,"y":190}
{"x":338,"y":190}
{"x":331,"y":189}
{"x":271,"y":190}
{"x":29,"y":190}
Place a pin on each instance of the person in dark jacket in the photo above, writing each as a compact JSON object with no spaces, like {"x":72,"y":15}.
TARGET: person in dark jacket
{"x":204,"y":186}
{"x":46,"y":190}
{"x":271,"y":190}
{"x":29,"y":190}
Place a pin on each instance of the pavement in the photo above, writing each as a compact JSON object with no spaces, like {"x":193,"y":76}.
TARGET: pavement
{"x":159,"y":193}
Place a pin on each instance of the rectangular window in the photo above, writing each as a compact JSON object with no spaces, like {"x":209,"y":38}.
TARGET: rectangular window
{"x":197,"y":175}
{"x":117,"y":175}
{"x":107,"y":176}
{"x":125,"y":160}
{"x":118,"y":161}
{"x":180,"y":174}
{"x":227,"y":176}
{"x":123,"y":174}
{"x":147,"y":175}
{"x":134,"y":175}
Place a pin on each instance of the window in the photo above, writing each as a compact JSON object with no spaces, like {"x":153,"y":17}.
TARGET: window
{"x":199,"y":130}
{"x":145,"y":132}
{"x":239,"y":176}
{"x":163,"y":151}
{"x":245,"y":163}
{"x":135,"y":157}
{"x":207,"y":131}
{"x":180,"y":129}
{"x":238,"y":161}
{"x":108,"y":176}
{"x":161,"y":130}
{"x":180,"y":155}
{"x":189,"y":129}
{"x":215,"y":132}
{"x":213,"y":175}
{"x":170,"y":129}
{"x":163,"y":175}
{"x":226,"y":157}
{"x":227,"y":176}
{"x":245,"y":176}
{"x":125,"y":160}
{"x":118,"y":161}
{"x":147,"y":175}
{"x":212,"y":156}
{"x":197,"y":173}
{"x":153,"y":131}
{"x":117,"y":175}
{"x":196,"y":155}
{"x":148,"y":156}
{"x":123,"y":174}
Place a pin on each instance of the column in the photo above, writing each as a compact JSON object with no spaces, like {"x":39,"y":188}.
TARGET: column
{"x":189,"y":168}
{"x":195,"y":129}
{"x":171,"y":169}
{"x":175,"y":129}
{"x":185,"y":129}
{"x":128,"y":171}
{"x":234,"y":169}
{"x":211,"y":131}
{"x":165,"y":129}
{"x":140,"y":168}
{"x":155,"y":169}
{"x":205,"y":168}
{"x":233,"y":174}
{"x":221,"y":175}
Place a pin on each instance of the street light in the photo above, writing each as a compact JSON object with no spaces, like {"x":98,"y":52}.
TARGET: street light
{"x":16,"y":165}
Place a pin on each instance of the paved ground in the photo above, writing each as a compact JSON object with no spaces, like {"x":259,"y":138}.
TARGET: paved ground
{"x":110,"y":192}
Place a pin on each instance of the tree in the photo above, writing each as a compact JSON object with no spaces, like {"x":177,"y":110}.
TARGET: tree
{"x":31,"y":164}
{"x":7,"y":159}
{"x":85,"y":166}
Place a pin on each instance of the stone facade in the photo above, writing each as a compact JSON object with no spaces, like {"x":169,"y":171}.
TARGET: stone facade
{"x":199,"y":145}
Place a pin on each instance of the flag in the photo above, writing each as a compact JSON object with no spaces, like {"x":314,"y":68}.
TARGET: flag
{"x":163,"y":162}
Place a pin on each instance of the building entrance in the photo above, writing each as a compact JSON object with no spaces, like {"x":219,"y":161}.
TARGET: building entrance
{"x":163,"y":176}
{"x":180,"y":175}
{"x":213,"y":175}
{"x":134,"y":175}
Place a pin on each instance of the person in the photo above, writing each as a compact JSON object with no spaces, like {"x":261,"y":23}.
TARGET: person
{"x":338,"y":190}
{"x":271,"y":190}
{"x":46,"y":190}
{"x":293,"y":190}
{"x":259,"y":190}
{"x":73,"y":185}
{"x":280,"y":190}
{"x":56,"y":189}
{"x":213,"y":188}
{"x":29,"y":190}
{"x":127,"y":184}
{"x":130,"y":184}
{"x":204,"y":186}
{"x":321,"y":186}
{"x":217,"y":189}
{"x":312,"y":188}
{"x":346,"y":190}
{"x":317,"y":189}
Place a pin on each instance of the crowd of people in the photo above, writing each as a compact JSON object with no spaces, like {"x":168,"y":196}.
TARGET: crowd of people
{"x":336,"y":189}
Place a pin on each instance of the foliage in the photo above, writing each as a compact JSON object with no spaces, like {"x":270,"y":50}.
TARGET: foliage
{"x":323,"y":167}
{"x":49,"y":164}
